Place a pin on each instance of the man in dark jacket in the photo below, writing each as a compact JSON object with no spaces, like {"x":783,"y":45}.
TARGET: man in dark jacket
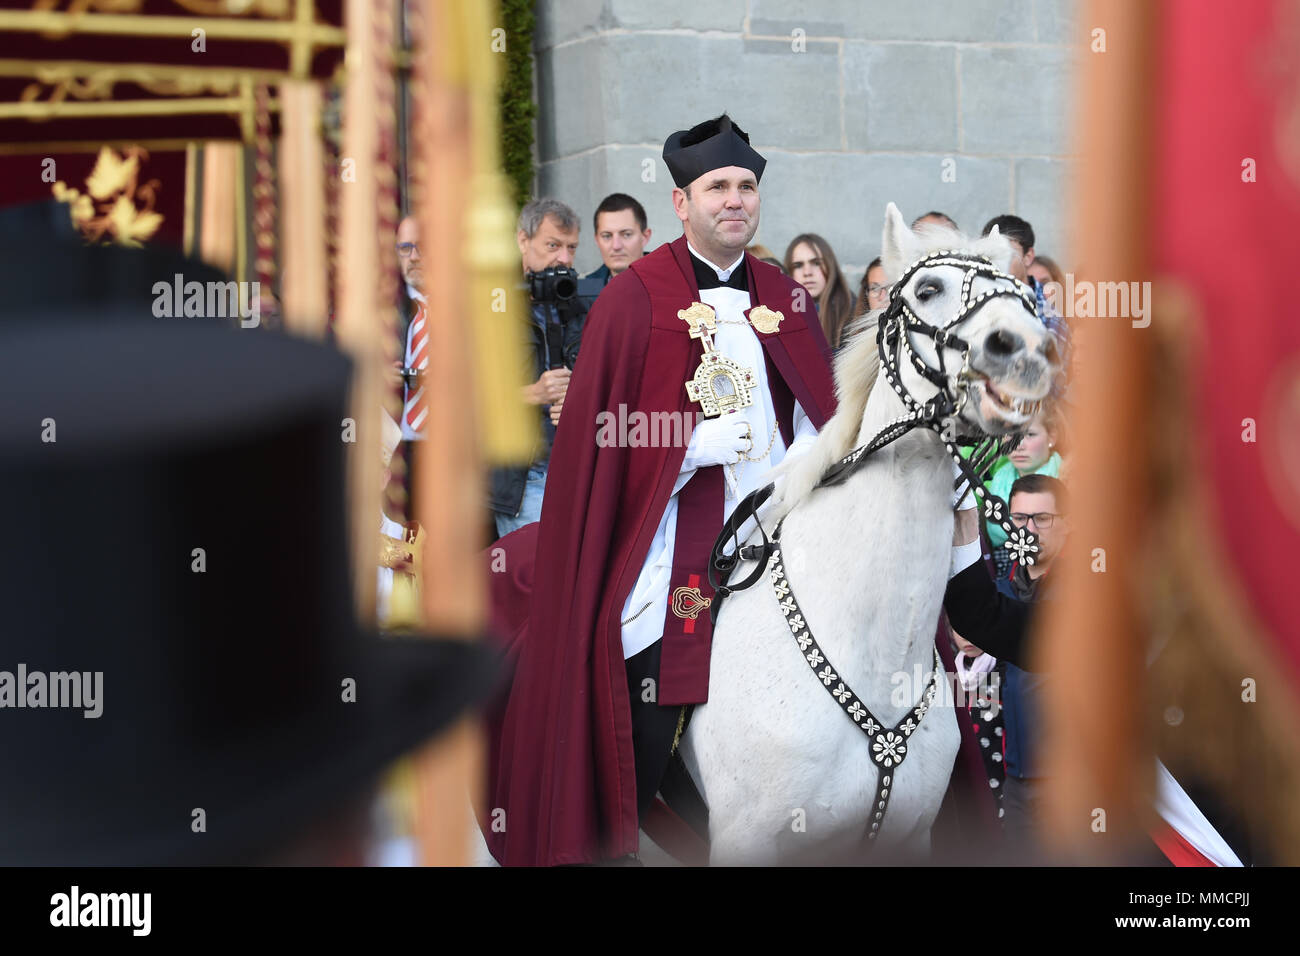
{"x":548,"y":239}
{"x":994,"y":617}
{"x":1196,"y":827}
{"x":621,"y":236}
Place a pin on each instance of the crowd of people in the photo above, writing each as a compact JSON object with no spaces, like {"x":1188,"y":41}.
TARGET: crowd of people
{"x":548,"y":237}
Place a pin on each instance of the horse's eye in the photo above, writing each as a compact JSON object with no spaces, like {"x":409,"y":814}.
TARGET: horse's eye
{"x":928,"y":289}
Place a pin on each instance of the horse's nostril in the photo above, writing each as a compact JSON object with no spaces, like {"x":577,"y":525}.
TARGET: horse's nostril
{"x":1050,"y":350}
{"x":1002,"y":343}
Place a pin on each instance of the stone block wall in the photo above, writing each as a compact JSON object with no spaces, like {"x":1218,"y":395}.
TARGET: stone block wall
{"x":956,"y":105}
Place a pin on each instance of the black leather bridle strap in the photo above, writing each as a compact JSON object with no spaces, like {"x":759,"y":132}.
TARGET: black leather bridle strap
{"x":722,"y":562}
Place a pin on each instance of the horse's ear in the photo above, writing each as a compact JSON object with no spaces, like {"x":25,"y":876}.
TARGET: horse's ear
{"x":897,"y":244}
{"x":997,"y":247}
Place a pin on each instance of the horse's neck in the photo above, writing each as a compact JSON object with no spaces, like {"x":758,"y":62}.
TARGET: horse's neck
{"x":883,"y":407}
{"x":915,"y":455}
{"x":907,"y":496}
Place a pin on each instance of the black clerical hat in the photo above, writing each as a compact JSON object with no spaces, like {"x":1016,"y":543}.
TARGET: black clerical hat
{"x":710,"y":145}
{"x":46,"y":264}
{"x":173,"y":499}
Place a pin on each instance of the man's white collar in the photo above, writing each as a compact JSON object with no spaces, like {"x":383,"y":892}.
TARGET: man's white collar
{"x":414,"y":293}
{"x":723,"y":274}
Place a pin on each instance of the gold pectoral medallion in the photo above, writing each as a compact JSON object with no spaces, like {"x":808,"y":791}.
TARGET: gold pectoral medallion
{"x":764,"y":319}
{"x":393,"y":553}
{"x":719,"y":383}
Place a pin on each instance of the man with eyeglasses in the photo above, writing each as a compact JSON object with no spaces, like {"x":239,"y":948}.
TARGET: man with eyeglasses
{"x":415,"y":336}
{"x":994,"y":617}
{"x":1194,"y":825}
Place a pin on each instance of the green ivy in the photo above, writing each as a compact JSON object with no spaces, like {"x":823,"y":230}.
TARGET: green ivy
{"x":517,"y":106}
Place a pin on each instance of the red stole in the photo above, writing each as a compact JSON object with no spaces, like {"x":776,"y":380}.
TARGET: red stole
{"x":688,"y":629}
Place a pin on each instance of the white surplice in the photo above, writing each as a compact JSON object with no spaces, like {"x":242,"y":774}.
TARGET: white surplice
{"x":647,"y":604}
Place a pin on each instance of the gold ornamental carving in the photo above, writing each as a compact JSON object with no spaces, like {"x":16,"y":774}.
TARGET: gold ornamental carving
{"x":87,"y":82}
{"x":108,"y":209}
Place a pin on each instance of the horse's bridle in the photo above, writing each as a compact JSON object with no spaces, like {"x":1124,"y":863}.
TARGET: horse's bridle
{"x":940,"y":414}
{"x":889,"y":746}
{"x":894,"y":345}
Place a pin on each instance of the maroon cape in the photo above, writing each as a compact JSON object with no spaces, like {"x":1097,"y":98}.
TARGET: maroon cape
{"x":561,"y":762}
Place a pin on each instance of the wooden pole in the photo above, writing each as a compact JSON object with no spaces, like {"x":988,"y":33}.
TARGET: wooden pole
{"x":1092,"y":640}
{"x":449,"y":775}
{"x":359,"y":325}
{"x":475,"y":309}
{"x":191,"y":196}
{"x":450,"y":498}
{"x":475,"y":304}
{"x":303,"y":287}
{"x":217,"y":235}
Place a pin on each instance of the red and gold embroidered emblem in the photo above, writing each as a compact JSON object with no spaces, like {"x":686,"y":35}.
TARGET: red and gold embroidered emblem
{"x":689,"y":602}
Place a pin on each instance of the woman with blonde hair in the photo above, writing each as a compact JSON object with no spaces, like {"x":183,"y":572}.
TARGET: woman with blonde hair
{"x":811,"y":262}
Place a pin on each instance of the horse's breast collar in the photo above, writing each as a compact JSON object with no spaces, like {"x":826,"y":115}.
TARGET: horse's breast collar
{"x":888,"y":746}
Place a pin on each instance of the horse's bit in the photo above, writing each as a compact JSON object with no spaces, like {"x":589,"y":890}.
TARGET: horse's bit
{"x":889,"y":747}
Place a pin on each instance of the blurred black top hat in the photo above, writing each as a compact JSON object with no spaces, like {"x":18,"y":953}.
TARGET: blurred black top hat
{"x":46,"y":264}
{"x":125,"y":446}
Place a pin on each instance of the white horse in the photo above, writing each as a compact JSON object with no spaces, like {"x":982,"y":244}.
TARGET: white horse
{"x":786,"y":773}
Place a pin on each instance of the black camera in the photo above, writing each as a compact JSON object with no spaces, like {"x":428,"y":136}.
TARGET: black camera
{"x":556,"y":284}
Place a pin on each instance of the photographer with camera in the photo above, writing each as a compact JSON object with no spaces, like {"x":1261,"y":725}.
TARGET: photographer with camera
{"x":548,"y":239}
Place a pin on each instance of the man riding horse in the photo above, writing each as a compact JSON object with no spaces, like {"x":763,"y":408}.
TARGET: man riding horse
{"x":613,"y":641}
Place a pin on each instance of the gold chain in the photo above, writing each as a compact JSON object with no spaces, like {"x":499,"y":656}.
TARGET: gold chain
{"x":770,"y":443}
{"x":681,"y":725}
{"x":737,"y":472}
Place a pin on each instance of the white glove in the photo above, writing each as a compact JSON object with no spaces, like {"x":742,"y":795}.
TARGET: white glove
{"x":963,"y":555}
{"x":718,"y":441}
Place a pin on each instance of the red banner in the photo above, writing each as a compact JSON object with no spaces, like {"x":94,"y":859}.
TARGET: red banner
{"x":1226,"y":212}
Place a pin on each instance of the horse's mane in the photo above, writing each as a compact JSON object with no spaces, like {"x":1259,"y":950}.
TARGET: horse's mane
{"x":856,"y":367}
